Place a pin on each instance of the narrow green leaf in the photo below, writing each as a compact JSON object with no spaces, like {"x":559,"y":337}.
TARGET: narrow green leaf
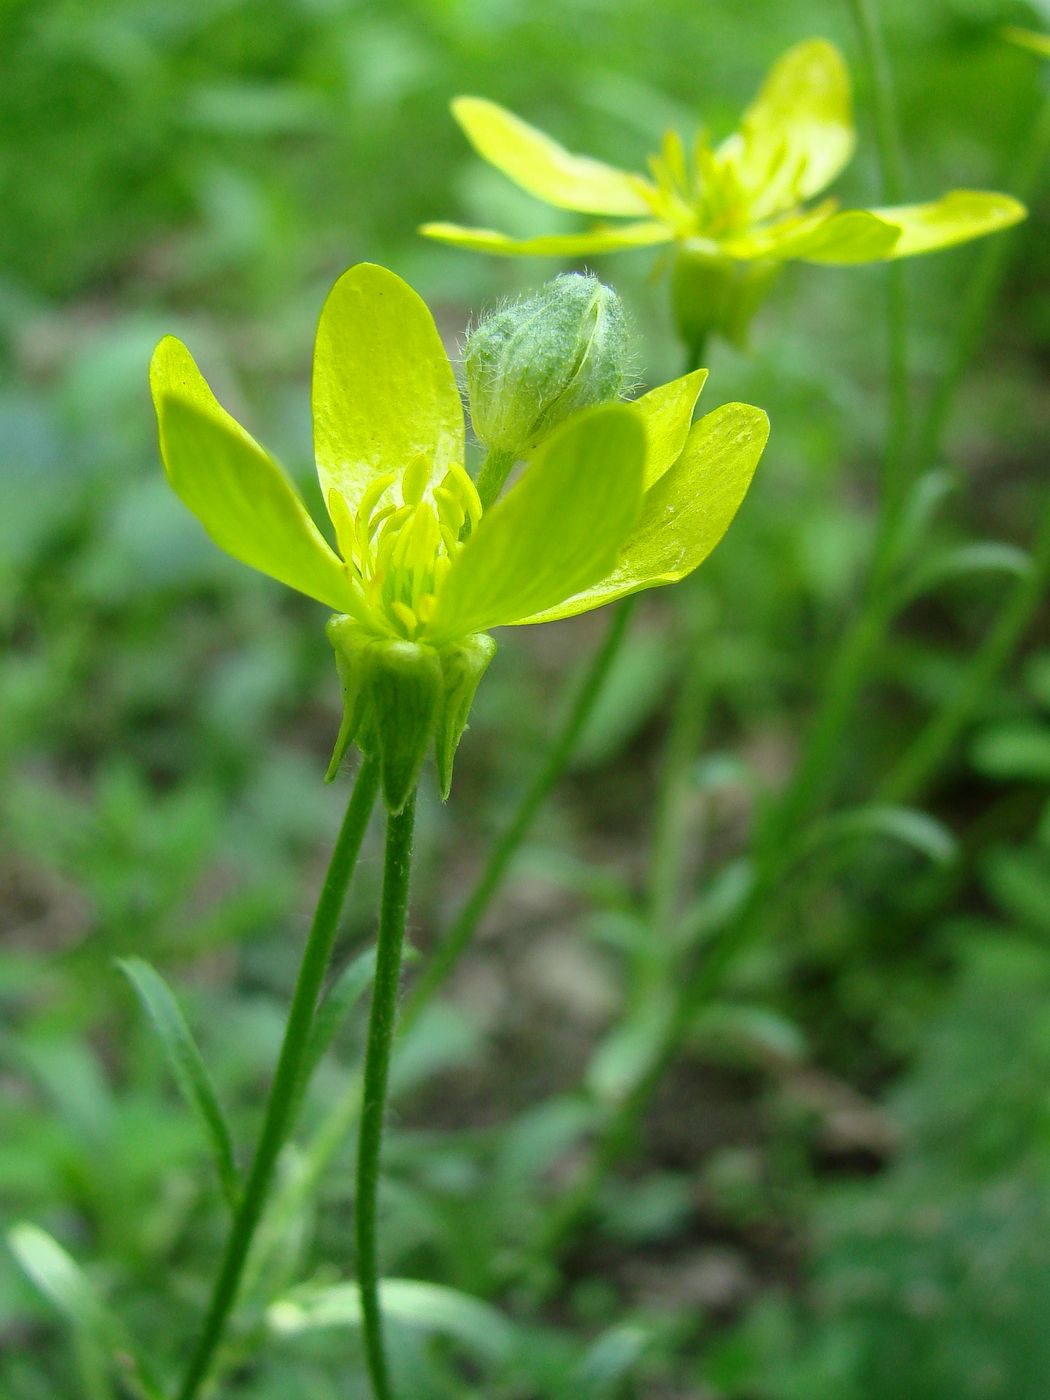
{"x":431,"y":1307}
{"x":918,"y":830}
{"x":962,"y":561}
{"x":187,"y":1066}
{"x":1014,"y":752}
{"x":61,"y":1280}
{"x":607,"y":1362}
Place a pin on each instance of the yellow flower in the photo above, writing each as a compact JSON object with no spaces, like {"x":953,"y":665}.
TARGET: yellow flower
{"x":618,"y":498}
{"x":744,"y":201}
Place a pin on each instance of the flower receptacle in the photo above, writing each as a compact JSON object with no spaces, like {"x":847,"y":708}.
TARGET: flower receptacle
{"x":712,"y":294}
{"x":399,"y":697}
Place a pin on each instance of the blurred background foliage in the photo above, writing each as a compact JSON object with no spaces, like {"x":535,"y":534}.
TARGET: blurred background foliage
{"x":843,"y":1186}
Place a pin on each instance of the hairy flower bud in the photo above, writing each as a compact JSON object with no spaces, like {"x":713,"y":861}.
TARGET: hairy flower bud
{"x":533,"y":363}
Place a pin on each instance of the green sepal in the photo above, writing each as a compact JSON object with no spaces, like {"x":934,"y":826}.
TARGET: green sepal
{"x":716,"y":295}
{"x":462,"y":667}
{"x":349,"y":646}
{"x":404,"y":695}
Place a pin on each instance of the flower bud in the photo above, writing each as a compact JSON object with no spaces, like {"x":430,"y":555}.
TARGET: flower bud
{"x":533,"y":363}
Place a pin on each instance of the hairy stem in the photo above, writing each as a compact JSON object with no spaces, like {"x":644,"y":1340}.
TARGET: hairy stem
{"x":396,"y":874}
{"x":284,"y":1093}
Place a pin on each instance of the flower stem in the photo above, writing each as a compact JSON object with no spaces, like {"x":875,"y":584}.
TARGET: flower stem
{"x":848,"y":671}
{"x":891,"y":168}
{"x":494,"y":471}
{"x":459,"y":936}
{"x":671,"y":823}
{"x":396,"y":874}
{"x":284,"y":1093}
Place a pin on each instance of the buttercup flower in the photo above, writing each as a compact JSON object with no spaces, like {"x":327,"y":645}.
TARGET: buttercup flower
{"x":736,"y":211}
{"x":620,"y":497}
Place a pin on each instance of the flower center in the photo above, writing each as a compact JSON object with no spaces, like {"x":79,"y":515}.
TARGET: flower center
{"x":698,"y":193}
{"x":402,"y":553}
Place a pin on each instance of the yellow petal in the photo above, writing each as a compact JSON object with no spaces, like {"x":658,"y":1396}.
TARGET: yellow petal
{"x":558,"y":529}
{"x":384,"y":393}
{"x":855,"y":236}
{"x":686,"y":513}
{"x":239,"y":493}
{"x":543,"y":167}
{"x":667,"y":412}
{"x":798,"y":133}
{"x":954,"y":218}
{"x":603,"y":239}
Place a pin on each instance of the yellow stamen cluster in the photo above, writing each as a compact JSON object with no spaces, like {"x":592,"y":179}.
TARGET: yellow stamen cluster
{"x":402,"y":553}
{"x":705,"y":193}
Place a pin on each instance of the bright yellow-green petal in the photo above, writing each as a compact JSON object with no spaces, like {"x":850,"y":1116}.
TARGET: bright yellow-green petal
{"x":686,"y":513}
{"x":558,"y":529}
{"x":798,"y":133}
{"x":607,"y":238}
{"x":957,"y":217}
{"x":1029,"y":39}
{"x":384,"y":392}
{"x":855,"y":236}
{"x":667,"y":412}
{"x":238,"y":493}
{"x":543,"y":167}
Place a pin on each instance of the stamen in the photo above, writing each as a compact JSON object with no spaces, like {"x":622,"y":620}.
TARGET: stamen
{"x":406,"y":617}
{"x":372,"y":493}
{"x":415,"y":480}
{"x":343,"y":521}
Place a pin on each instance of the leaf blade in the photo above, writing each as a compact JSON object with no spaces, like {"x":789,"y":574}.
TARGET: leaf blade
{"x":187,"y":1067}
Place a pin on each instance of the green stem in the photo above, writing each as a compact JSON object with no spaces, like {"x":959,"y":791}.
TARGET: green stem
{"x":381,"y":1021}
{"x":494,"y":471}
{"x":847,"y":675}
{"x":277,"y":1120}
{"x":934,"y":742}
{"x":891,"y":167}
{"x":671,"y":825}
{"x":852,"y":662}
{"x":460,"y":935}
{"x":982,"y":290}
{"x":323,"y":1146}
